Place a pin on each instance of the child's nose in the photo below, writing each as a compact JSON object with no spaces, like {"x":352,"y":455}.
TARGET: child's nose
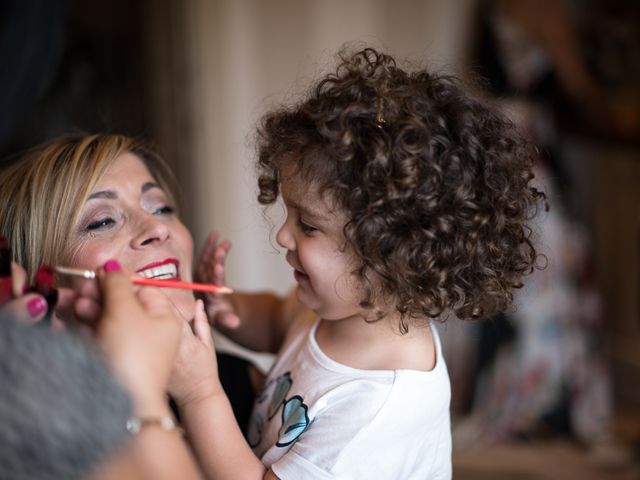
{"x":152,"y":232}
{"x":285,"y":238}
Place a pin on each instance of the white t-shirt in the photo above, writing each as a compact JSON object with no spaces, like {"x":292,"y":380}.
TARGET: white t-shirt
{"x":317,"y":419}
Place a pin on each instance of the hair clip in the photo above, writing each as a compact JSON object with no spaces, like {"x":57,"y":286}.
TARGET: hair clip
{"x":380,"y":121}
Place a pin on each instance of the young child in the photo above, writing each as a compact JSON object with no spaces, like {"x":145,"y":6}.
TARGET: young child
{"x":407,"y":202}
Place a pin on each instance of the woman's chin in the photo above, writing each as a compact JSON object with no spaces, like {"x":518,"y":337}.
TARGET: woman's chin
{"x":183,"y":301}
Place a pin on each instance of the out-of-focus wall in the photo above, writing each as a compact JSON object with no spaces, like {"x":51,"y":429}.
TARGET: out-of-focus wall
{"x":242,"y":57}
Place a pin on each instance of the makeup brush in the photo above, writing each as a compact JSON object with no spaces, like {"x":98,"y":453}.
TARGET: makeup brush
{"x":151,"y":282}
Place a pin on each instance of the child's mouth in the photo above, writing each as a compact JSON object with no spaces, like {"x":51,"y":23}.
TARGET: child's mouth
{"x":299,"y":276}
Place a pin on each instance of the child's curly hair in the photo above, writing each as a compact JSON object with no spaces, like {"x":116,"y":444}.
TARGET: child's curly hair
{"x":436,"y":186}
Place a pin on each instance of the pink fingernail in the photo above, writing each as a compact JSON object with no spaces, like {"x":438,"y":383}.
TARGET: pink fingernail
{"x":36,"y":306}
{"x":112,"y":266}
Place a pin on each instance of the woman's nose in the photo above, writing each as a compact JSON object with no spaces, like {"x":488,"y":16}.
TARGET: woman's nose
{"x":284,"y":236}
{"x":152,"y":232}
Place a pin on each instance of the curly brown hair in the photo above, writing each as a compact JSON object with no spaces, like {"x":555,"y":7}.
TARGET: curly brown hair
{"x":435,"y":184}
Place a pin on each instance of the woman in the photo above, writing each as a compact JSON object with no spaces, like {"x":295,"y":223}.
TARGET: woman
{"x":81,"y":200}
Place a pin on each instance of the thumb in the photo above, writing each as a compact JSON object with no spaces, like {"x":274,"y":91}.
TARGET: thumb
{"x":27,"y":309}
{"x":115,"y":286}
{"x":201,"y":327}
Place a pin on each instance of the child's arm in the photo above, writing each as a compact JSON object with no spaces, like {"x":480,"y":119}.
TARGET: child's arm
{"x":205,"y":410}
{"x":257,"y":321}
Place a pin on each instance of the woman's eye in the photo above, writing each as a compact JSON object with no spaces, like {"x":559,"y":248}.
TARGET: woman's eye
{"x":165,"y":210}
{"x":100,"y":224}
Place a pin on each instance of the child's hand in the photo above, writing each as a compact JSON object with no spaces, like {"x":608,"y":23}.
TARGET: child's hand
{"x":210,"y":269}
{"x":194,"y":375}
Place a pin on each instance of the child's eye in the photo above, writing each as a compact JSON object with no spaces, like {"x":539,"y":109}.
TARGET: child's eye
{"x":100,"y":224}
{"x":305,"y":227}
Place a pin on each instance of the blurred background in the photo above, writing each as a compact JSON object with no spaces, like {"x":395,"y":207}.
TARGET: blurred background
{"x":549,"y":390}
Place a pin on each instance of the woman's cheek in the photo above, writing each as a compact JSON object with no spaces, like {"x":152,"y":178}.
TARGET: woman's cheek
{"x":93,"y":254}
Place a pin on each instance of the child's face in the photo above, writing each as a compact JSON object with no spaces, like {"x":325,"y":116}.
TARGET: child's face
{"x":312,"y":234}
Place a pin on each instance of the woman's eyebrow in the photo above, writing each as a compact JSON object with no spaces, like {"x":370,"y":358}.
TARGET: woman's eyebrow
{"x":111,"y":195}
{"x":108,"y":194}
{"x":148,"y":186}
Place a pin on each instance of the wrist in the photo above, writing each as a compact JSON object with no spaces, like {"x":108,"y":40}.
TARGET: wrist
{"x":167,"y":423}
{"x":203,"y":391}
{"x":152,"y":405}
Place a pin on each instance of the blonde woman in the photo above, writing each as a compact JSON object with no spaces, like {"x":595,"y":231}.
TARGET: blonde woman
{"x":82,"y":200}
{"x":45,"y":194}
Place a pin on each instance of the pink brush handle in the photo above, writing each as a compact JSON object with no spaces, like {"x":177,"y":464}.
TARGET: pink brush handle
{"x":199,"y":287}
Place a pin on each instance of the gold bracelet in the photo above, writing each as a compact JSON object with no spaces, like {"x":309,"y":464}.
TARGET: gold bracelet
{"x":168,"y":424}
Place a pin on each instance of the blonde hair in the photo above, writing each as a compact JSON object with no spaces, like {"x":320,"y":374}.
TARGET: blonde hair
{"x":42,"y":195}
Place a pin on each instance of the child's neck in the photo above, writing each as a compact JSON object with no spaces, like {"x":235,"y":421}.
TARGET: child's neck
{"x":377,"y":345}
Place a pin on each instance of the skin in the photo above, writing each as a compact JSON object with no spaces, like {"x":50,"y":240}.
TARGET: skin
{"x":317,"y":252}
{"x":128,"y":217}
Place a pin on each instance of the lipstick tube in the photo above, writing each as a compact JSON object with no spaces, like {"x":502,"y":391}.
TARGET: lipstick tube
{"x":44,"y":286}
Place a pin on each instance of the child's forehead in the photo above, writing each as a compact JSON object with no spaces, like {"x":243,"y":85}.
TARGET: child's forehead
{"x":306,"y":195}
{"x":295,"y":188}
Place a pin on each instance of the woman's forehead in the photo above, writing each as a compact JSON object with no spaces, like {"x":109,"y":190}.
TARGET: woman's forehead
{"x":128,"y":167}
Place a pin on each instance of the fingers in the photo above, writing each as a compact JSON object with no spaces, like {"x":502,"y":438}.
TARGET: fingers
{"x":217,"y":267}
{"x":116,"y":286}
{"x":88,"y":302}
{"x":28,"y":309}
{"x":206,"y":257}
{"x":210,"y":245}
{"x":65,"y":306}
{"x":66,"y":297}
{"x":210,"y":267}
{"x":18,"y":279}
{"x":228,"y":320}
{"x":87,"y":310}
{"x":201,"y":327}
{"x":222,"y":250}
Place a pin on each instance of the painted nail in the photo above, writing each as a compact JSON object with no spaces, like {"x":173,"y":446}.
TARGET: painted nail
{"x":36,"y":306}
{"x":112,"y":266}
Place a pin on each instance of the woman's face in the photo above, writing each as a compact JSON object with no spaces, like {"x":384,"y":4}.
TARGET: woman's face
{"x":128,"y":217}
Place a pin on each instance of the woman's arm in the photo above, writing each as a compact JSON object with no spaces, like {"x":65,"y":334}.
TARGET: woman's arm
{"x":140,"y":335}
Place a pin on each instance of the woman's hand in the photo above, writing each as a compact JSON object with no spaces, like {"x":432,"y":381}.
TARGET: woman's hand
{"x":210,"y":269}
{"x":139,"y":333}
{"x":31,"y":308}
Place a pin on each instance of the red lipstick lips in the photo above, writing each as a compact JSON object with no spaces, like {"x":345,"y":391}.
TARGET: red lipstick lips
{"x":159,"y":264}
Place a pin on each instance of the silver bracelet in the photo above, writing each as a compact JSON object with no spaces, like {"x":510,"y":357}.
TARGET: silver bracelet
{"x":168,"y":424}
